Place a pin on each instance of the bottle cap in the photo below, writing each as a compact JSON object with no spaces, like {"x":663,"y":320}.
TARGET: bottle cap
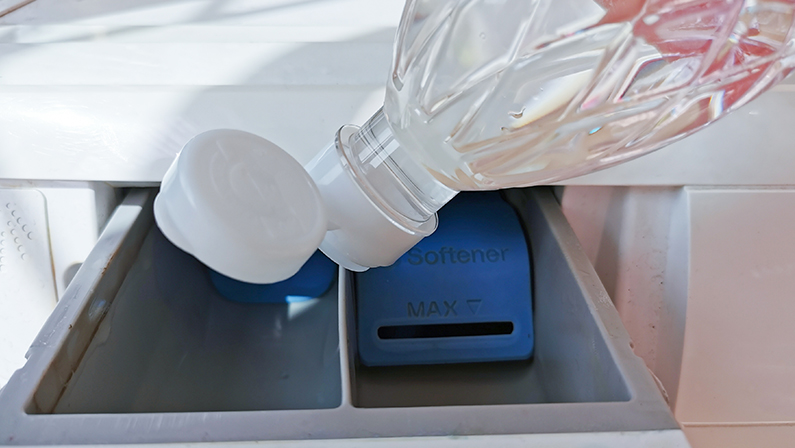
{"x":248,"y":210}
{"x":242,"y":206}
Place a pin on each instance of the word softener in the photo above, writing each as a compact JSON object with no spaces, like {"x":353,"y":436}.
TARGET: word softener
{"x":463,"y":294}
{"x":454,"y":255}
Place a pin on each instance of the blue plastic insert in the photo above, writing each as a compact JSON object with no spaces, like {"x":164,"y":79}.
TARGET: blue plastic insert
{"x":462,"y":294}
{"x":313,"y":279}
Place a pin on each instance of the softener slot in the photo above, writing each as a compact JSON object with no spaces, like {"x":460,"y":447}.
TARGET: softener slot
{"x":463,"y":294}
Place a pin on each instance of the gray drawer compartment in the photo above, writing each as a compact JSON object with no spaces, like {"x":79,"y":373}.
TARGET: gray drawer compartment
{"x":141,"y":349}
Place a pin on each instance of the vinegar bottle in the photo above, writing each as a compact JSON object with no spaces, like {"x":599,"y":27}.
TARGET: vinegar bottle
{"x":490,"y":94}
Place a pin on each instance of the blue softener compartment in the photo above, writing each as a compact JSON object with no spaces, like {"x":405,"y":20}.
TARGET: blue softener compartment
{"x":462,"y":294}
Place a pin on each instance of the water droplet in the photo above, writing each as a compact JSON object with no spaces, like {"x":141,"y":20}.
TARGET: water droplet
{"x":16,"y":240}
{"x":482,"y":35}
{"x":8,"y":205}
{"x":19,"y":220}
{"x":21,"y":248}
{"x":30,"y":235}
{"x":25,"y":228}
{"x":13,"y":232}
{"x":96,"y":309}
{"x":2,"y":234}
{"x":24,"y":256}
{"x":651,"y":19}
{"x":10,"y":223}
{"x":517,"y":114}
{"x":14,"y":213}
{"x":2,"y":242}
{"x":2,"y":250}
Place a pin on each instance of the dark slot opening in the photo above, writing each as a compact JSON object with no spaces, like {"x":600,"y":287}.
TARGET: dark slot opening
{"x":445,"y":330}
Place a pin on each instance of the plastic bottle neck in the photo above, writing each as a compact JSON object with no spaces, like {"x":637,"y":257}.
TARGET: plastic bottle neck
{"x":402,"y":184}
{"x":379,"y":201}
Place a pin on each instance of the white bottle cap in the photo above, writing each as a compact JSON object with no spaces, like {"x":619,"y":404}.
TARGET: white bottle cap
{"x":242,"y":206}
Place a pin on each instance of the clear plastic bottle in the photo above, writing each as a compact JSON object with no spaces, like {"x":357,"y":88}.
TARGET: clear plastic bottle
{"x":489,"y":94}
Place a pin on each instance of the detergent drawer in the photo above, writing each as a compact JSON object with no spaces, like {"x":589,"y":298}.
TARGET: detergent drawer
{"x":142,"y":349}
